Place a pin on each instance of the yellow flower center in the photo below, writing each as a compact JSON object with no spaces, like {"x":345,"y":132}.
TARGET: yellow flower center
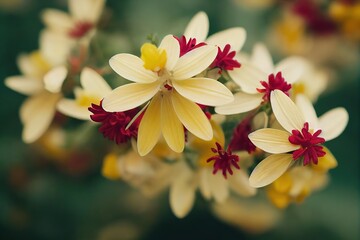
{"x":39,"y":62}
{"x":298,"y":88}
{"x":154,"y":58}
{"x":109,"y":167}
{"x":85,"y":100}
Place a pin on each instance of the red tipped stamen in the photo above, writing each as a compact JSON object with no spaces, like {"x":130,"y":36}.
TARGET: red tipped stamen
{"x":274,"y":82}
{"x":225,"y":59}
{"x":113,"y":124}
{"x":310,"y":147}
{"x":187,"y":46}
{"x":240,"y":138}
{"x":224,"y":160}
{"x":80,"y":29}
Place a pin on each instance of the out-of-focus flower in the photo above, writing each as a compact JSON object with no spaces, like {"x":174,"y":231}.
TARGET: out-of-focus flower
{"x":168,"y":81}
{"x":304,"y":136}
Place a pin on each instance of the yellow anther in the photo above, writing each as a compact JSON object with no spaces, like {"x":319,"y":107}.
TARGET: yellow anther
{"x":154,"y":58}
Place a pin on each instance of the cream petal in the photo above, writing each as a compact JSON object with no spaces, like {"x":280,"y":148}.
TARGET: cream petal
{"x":36,"y":114}
{"x":307,"y":110}
{"x":248,"y":77}
{"x":24,"y":85}
{"x":333,"y":123}
{"x":132,"y":68}
{"x":270,"y":169}
{"x":57,"y":20}
{"x":234,"y":36}
{"x":32,"y":65}
{"x":72,"y":109}
{"x":205,"y":91}
{"x":286,"y":112}
{"x":218,"y":186}
{"x":93,"y":82}
{"x":172,"y":48}
{"x":243,"y":102}
{"x":198,"y":27}
{"x":86,"y":10}
{"x":204,"y":184}
{"x":150,"y":127}
{"x":171,"y":127}
{"x":291,"y":68}
{"x":239,"y":183}
{"x":192,"y":117}
{"x":272,"y":140}
{"x":129,"y":96}
{"x":262,"y":59}
{"x":54,"y":79}
{"x":194,"y":62}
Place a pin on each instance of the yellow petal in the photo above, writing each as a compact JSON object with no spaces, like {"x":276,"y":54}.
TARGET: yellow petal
{"x":270,"y":169}
{"x":171,"y":127}
{"x":192,"y":117}
{"x":150,"y":127}
{"x":110,"y":167}
{"x":239,"y":183}
{"x":243,"y":102}
{"x":326,"y":162}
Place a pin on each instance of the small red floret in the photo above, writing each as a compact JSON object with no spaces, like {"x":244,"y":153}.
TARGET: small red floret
{"x":188,"y":45}
{"x":240,"y":140}
{"x":274,"y":82}
{"x":225,"y":59}
{"x":80,"y":29}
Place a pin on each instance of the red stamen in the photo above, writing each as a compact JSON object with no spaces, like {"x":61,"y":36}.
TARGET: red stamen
{"x":240,"y":138}
{"x":310,"y":148}
{"x":187,"y":46}
{"x":224,"y":160}
{"x":80,"y":29}
{"x":113,"y":124}
{"x":274,"y":82}
{"x":225,"y":59}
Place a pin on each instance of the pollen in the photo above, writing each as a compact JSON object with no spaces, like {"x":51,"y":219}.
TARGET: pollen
{"x":85,"y":100}
{"x":153,"y":57}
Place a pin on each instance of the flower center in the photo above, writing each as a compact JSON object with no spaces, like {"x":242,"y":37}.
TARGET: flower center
{"x":225,"y":59}
{"x":187,"y":46}
{"x":240,"y":140}
{"x":80,"y":29}
{"x":153,"y":57}
{"x":274,"y":82}
{"x":224,"y":160}
{"x":310,"y":148}
{"x":85,"y":100}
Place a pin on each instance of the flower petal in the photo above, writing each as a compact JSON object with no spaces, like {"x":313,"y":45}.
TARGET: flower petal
{"x":24,"y":85}
{"x":239,"y":183}
{"x":204,"y":184}
{"x":333,"y":123}
{"x":192,"y":117}
{"x":270,"y":169}
{"x":243,"y":102}
{"x":286,"y":112}
{"x":262,"y":59}
{"x":36,"y":114}
{"x":132,"y":68}
{"x":85,"y":10}
{"x":93,"y":82}
{"x":150,"y":127}
{"x":54,"y":79}
{"x":198,"y":27}
{"x":194,"y":62}
{"x":307,"y":110}
{"x":171,"y":127}
{"x":205,"y":91}
{"x":272,"y":140}
{"x":129,"y":96}
{"x":248,"y":77}
{"x":172,"y":48}
{"x":57,"y":20}
{"x":291,"y":68}
{"x":72,"y":109}
{"x":218,"y":186}
{"x":234,"y":36}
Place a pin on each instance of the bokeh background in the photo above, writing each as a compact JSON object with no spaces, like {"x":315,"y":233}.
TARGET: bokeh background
{"x":43,"y":199}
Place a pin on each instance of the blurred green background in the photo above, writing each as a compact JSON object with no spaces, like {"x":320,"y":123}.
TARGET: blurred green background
{"x":40,"y":201}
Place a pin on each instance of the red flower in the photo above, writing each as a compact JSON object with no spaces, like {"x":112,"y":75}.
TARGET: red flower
{"x":274,"y":82}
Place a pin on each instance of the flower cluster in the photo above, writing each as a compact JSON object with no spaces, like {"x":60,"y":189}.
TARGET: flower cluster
{"x":190,"y":113}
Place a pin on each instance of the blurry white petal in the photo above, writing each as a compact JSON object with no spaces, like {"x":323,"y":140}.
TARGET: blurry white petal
{"x":192,"y":117}
{"x":204,"y":184}
{"x":198,"y":27}
{"x":262,"y":59}
{"x":272,"y":140}
{"x":54,"y":79}
{"x":132,"y":68}
{"x":86,"y":10}
{"x":333,"y":123}
{"x":291,"y":68}
{"x":248,"y":77}
{"x":57,"y":20}
{"x":72,"y":109}
{"x":171,"y":127}
{"x":307,"y":110}
{"x":129,"y":96}
{"x":172,"y":48}
{"x":270,"y":169}
{"x":286,"y":112}
{"x":93,"y":82}
{"x":24,"y":85}
{"x":239,"y":183}
{"x":205,"y":91}
{"x":218,"y":186}
{"x":36,"y":114}
{"x":194,"y":62}
{"x":150,"y":127}
{"x":234,"y":36}
{"x":243,"y":102}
